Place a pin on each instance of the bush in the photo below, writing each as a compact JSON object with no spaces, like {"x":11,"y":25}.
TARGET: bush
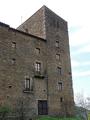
{"x":4,"y":110}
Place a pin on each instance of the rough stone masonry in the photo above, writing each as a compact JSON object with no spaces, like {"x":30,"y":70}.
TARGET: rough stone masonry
{"x":35,"y":65}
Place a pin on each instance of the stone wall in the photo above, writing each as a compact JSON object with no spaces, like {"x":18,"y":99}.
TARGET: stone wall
{"x":35,"y":25}
{"x":18,"y":62}
{"x":19,"y":51}
{"x":56,"y":30}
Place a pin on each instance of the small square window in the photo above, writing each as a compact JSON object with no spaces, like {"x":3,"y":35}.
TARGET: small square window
{"x":59,"y":70}
{"x":10,"y":86}
{"x":13,"y":44}
{"x":13,"y":60}
{"x":61,"y":99}
{"x":57,"y":43}
{"x":57,"y":56}
{"x":26,"y":30}
{"x":37,"y":51}
{"x":60,"y":86}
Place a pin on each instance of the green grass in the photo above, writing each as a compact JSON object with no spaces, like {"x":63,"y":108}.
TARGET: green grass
{"x":88,"y":116}
{"x":56,"y":118}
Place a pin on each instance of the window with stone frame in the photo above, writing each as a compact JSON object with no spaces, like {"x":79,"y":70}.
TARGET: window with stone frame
{"x":57,"y":44}
{"x":26,"y":30}
{"x":59,"y":70}
{"x":14,"y":45}
{"x":61,"y":99}
{"x":37,"y":50}
{"x":38,"y":67}
{"x":57,"y":56}
{"x":13,"y":61}
{"x":28,"y":84}
{"x":60,"y":86}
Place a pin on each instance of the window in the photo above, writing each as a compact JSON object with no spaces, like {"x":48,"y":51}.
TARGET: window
{"x":37,"y":51}
{"x":13,"y":60}
{"x":37,"y":66}
{"x":61,"y":99}
{"x":57,"y":43}
{"x":42,"y":107}
{"x":60,"y":86}
{"x":10,"y":86}
{"x":26,"y":30}
{"x":59,"y":70}
{"x":57,"y":56}
{"x":13,"y":44}
{"x":29,"y":84}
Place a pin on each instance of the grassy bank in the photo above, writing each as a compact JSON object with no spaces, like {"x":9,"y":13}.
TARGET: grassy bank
{"x":89,"y":116}
{"x":56,"y":118}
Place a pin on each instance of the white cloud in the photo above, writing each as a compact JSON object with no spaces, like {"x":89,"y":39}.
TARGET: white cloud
{"x":81,"y":74}
{"x":80,"y":37}
{"x":86,"y":63}
{"x":75,"y":63}
{"x":85,"y":49}
{"x":81,"y":50}
{"x":75,"y":12}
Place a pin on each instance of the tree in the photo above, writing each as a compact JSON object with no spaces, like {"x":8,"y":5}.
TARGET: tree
{"x":88,"y":103}
{"x":82,"y":104}
{"x":20,"y":109}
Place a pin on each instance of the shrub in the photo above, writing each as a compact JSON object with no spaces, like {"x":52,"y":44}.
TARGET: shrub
{"x":4,"y":110}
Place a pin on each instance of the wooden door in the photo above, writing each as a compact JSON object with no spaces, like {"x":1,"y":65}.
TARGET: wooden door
{"x":42,"y":107}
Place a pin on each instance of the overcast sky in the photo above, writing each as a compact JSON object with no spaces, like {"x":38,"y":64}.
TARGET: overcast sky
{"x":76,"y":12}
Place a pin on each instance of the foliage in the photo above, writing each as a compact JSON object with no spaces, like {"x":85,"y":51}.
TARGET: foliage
{"x":82,"y":101}
{"x":4,"y":110}
{"x":89,"y":116}
{"x":81,"y":112}
{"x":88,"y":103}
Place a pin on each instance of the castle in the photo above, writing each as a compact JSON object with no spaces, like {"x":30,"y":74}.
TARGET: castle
{"x":35,"y":65}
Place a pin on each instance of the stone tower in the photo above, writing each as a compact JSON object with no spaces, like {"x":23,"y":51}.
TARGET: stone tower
{"x":35,"y":65}
{"x":49,"y":26}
